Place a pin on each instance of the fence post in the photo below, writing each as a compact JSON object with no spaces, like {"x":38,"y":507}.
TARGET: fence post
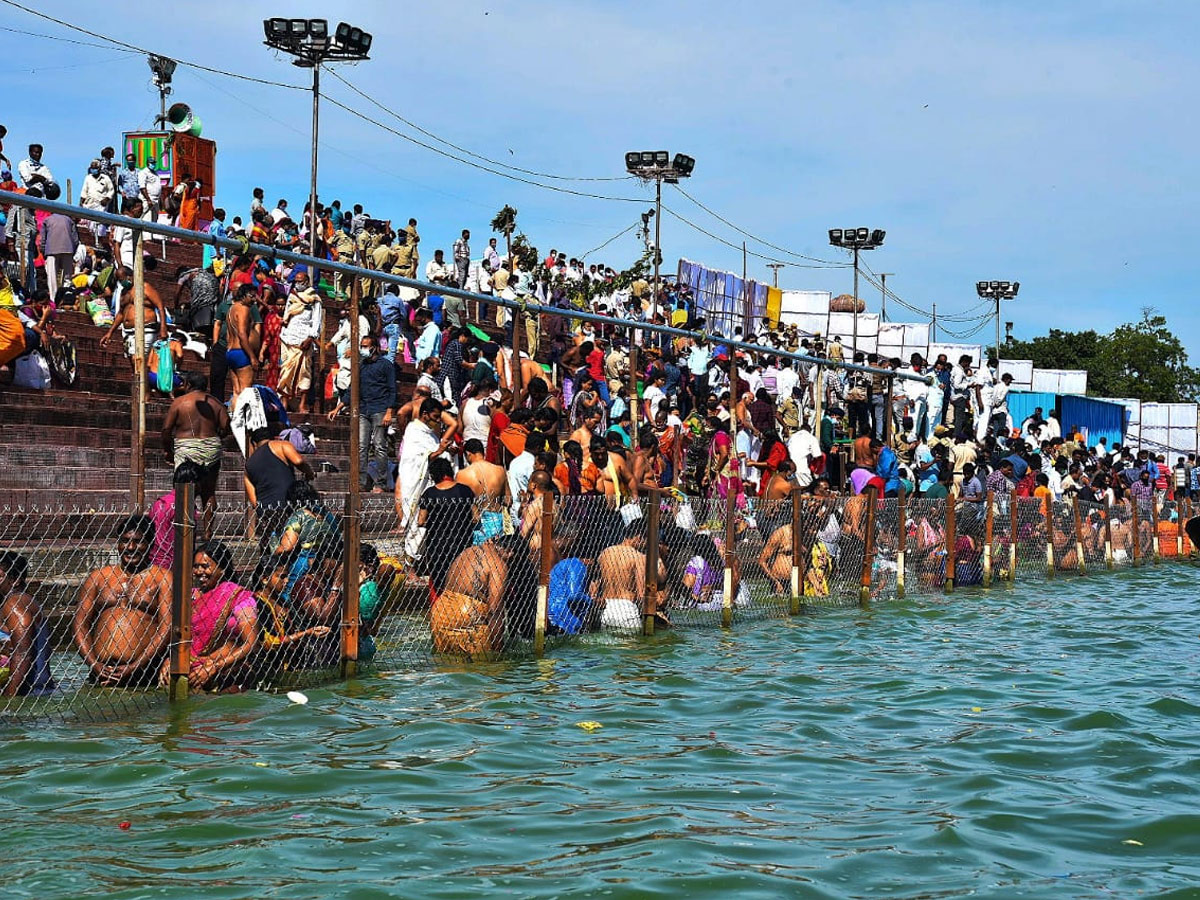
{"x":541,"y":619}
{"x":864,"y":584}
{"x":635,"y":407}
{"x":730,"y":536}
{"x":1157,"y":555}
{"x":137,"y":461}
{"x":181,"y":593}
{"x":650,"y":599}
{"x":1137,"y":531}
{"x":951,"y":537}
{"x":797,"y":574}
{"x":350,"y":586}
{"x":1108,"y":549}
{"x":1078,"y":536}
{"x":1012,"y":536}
{"x":515,"y":375}
{"x":1178,"y":529}
{"x":988,"y":527}
{"x":901,"y":540}
{"x":1183,"y":519}
{"x":1048,"y":515}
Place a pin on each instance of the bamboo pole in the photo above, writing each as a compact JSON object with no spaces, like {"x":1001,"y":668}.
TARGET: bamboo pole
{"x":1048,"y":509}
{"x":541,"y":619}
{"x":1014,"y":524}
{"x":650,"y":599}
{"x":514,"y":368}
{"x":901,"y":540}
{"x":1157,"y":554}
{"x":864,"y":585}
{"x":181,"y":593}
{"x":1080,"y":559}
{"x":728,"y":581}
{"x":1108,"y":547}
{"x":797,"y":575}
{"x":951,"y":537}
{"x":1187,"y":540}
{"x":1137,"y":531}
{"x":1178,"y":528}
{"x":988,"y":527}
{"x":350,"y":583}
{"x":137,"y":462}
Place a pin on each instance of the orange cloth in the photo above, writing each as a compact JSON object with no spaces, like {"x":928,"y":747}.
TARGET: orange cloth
{"x":513,"y":438}
{"x":460,"y":625}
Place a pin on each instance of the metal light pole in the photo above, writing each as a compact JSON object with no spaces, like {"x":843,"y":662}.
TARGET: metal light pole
{"x":775,"y":267}
{"x":883,"y":277}
{"x":658,"y":165}
{"x":163,"y":68}
{"x":855,"y":240}
{"x":309,"y":42}
{"x":997,"y":290}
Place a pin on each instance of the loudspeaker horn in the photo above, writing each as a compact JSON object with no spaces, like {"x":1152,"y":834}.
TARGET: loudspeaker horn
{"x":182,"y":120}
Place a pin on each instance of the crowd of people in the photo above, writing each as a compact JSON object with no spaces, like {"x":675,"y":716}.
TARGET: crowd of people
{"x":509,"y":407}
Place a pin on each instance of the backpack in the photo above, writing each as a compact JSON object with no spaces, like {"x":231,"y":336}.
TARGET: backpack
{"x":166,"y":367}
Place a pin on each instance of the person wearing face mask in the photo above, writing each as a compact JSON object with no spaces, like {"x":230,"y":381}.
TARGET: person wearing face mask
{"x":127,"y":180}
{"x":376,"y":405}
{"x":126,"y":318}
{"x":97,"y":194}
{"x":150,"y":189}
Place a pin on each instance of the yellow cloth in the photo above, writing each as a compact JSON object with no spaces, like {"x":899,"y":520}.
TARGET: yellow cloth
{"x":460,"y":625}
{"x":774,"y":305}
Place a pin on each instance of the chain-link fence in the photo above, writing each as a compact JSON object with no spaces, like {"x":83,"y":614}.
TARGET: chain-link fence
{"x":107,"y":612}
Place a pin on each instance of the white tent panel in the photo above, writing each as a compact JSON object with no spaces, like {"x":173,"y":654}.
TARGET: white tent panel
{"x":809,"y":323}
{"x":1021,"y":371}
{"x":954,"y":351}
{"x":798,"y":302}
{"x":917,"y":335}
{"x":1155,"y":415}
{"x":1073,"y":381}
{"x":1181,"y":415}
{"x":1182,"y":440}
{"x":1154,"y":437}
{"x":891,"y":336}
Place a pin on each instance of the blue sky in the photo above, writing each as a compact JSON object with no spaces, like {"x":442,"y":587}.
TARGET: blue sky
{"x":1045,"y":143}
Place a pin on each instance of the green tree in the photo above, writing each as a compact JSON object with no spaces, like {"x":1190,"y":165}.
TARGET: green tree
{"x":1139,"y":359}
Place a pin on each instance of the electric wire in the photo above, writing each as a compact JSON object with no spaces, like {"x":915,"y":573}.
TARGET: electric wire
{"x":451,"y":144}
{"x":467,"y":162}
{"x":54,"y":37}
{"x":752,"y":237}
{"x":133,"y":47}
{"x":722,"y":240}
{"x":623,"y":231}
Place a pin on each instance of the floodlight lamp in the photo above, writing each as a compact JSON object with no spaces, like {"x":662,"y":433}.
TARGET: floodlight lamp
{"x":1005,"y":286}
{"x":364,"y":43}
{"x":995,"y":285}
{"x":877,"y":236}
{"x":981,"y":288}
{"x":863,"y":235}
{"x":297,"y":28}
{"x":342,"y":34}
{"x":275,"y":29}
{"x":835,"y":237}
{"x":632,"y":160}
{"x":661,"y":157}
{"x":684,"y":164}
{"x":1016,"y":286}
{"x":318,"y":28}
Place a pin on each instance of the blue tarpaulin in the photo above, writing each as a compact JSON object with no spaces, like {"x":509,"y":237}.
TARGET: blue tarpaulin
{"x":1095,"y":418}
{"x":724,"y":300}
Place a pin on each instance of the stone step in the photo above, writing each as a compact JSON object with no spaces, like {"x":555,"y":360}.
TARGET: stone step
{"x":113,"y":477}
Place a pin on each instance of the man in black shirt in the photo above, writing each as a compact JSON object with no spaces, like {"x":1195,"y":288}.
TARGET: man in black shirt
{"x":447,"y":513}
{"x":376,"y":401}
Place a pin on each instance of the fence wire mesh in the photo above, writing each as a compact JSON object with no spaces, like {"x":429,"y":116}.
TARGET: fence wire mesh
{"x":88,"y":613}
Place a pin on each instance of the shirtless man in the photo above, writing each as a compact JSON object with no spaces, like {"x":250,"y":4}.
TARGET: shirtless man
{"x":468,"y":615}
{"x":598,"y":477}
{"x":776,"y":558}
{"x":647,"y":463}
{"x":124,"y":612}
{"x":588,"y":429}
{"x":780,"y":484}
{"x":620,"y":583}
{"x":155,"y":318}
{"x":192,"y":433}
{"x":241,"y":354}
{"x":490,"y":484}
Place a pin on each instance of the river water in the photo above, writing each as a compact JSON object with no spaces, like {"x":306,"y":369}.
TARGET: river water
{"x":1042,"y":741}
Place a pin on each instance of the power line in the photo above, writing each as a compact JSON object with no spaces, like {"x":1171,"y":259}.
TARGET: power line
{"x":53,"y":37}
{"x":137,"y":49}
{"x":752,"y":237}
{"x":722,"y":240}
{"x":467,"y":162}
{"x":610,"y":240}
{"x":441,"y":140}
